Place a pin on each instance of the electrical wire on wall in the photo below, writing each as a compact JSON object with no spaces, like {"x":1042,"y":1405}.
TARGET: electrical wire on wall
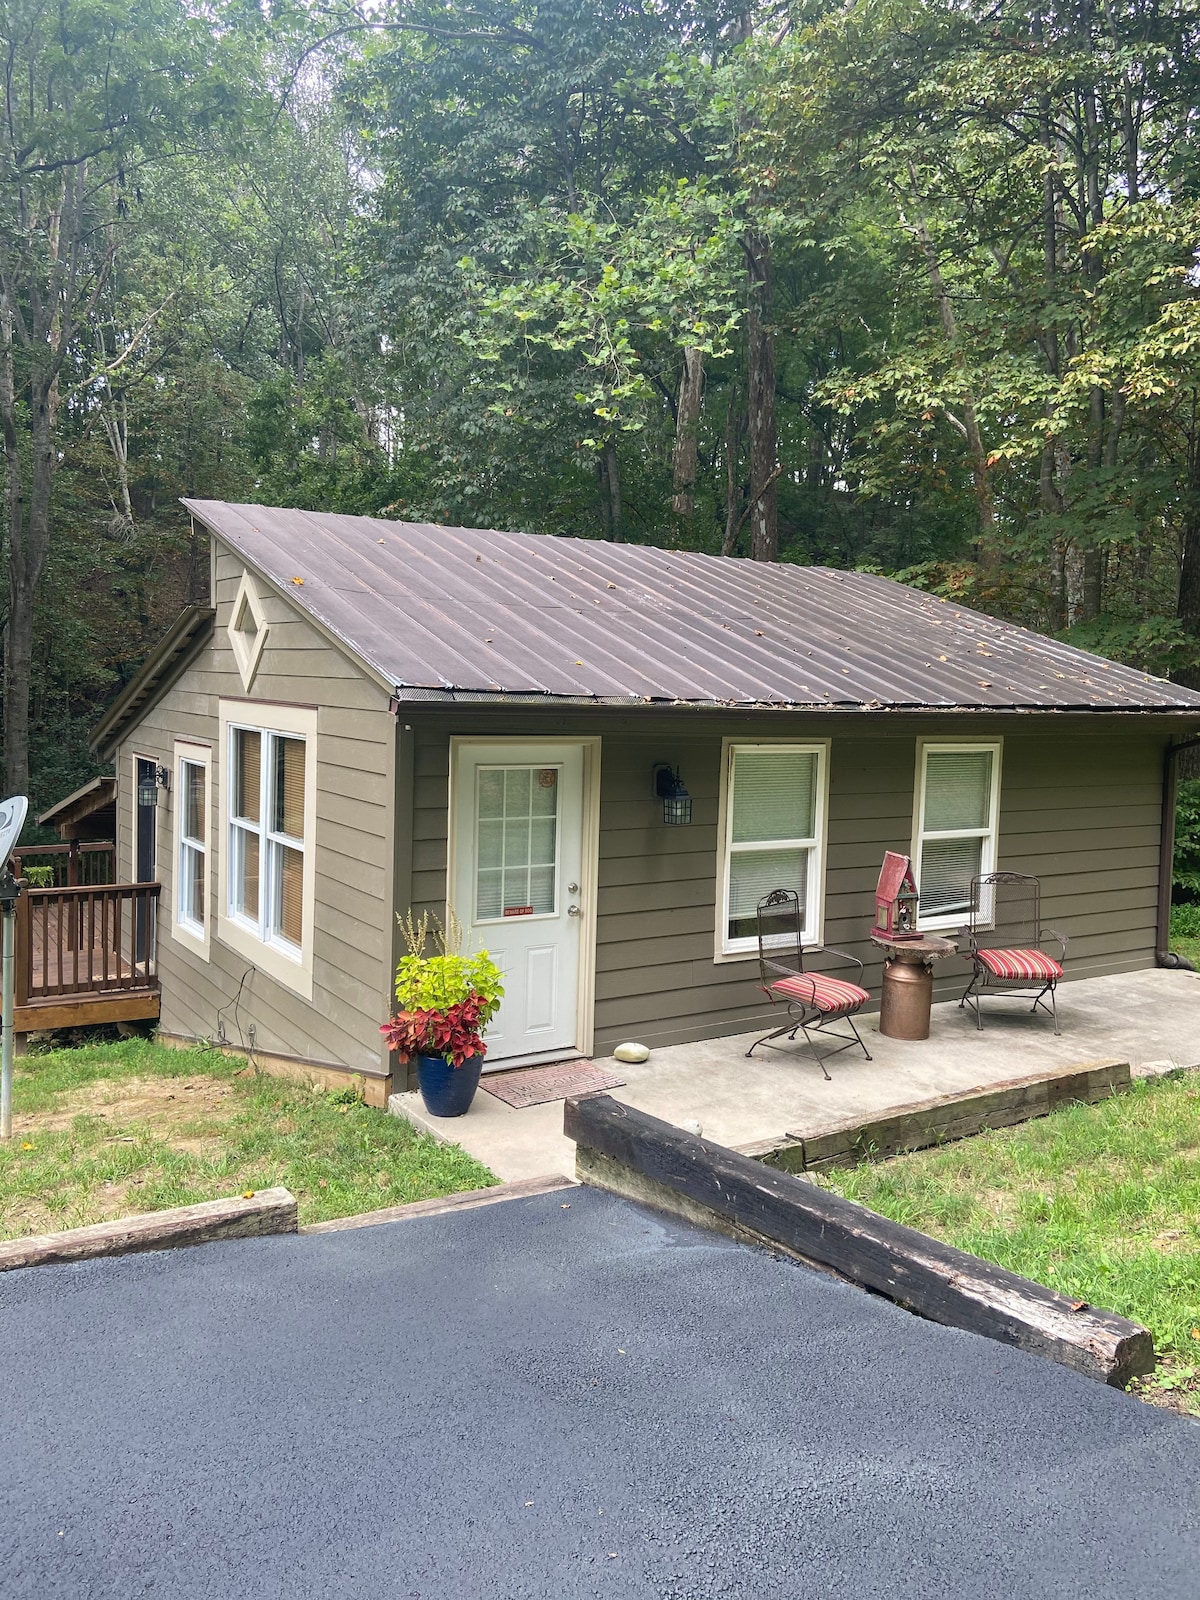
{"x":246,"y":1041}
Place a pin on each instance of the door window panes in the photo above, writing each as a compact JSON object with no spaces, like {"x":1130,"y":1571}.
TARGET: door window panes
{"x":516,"y":842}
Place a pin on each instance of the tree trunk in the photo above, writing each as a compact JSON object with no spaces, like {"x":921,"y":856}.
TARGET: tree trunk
{"x":760,"y":352}
{"x":734,"y":429}
{"x":687,"y":419}
{"x":1057,"y":587}
{"x":608,"y":471}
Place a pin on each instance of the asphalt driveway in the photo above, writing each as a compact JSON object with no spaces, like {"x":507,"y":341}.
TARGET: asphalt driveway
{"x":557,"y":1397}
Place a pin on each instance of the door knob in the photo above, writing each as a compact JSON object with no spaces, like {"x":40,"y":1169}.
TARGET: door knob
{"x":572,"y":888}
{"x":572,"y":911}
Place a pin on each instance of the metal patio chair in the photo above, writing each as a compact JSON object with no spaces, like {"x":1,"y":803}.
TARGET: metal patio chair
{"x":814,"y":999}
{"x":1006,"y":938}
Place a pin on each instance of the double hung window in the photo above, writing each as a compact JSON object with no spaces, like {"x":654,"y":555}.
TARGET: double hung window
{"x":192,"y":864}
{"x":957,"y":815}
{"x":774,"y":808}
{"x":267,"y":834}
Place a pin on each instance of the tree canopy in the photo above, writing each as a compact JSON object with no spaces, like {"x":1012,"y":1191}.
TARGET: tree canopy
{"x":911,"y":287}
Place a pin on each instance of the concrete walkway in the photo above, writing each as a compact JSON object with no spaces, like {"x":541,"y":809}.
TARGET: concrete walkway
{"x":1149,"y":1019}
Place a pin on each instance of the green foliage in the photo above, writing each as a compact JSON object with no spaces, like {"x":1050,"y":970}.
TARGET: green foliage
{"x":608,"y":296}
{"x":1187,"y":851}
{"x":445,"y":263}
{"x":338,"y":1156}
{"x":435,"y":983}
{"x":1100,"y":1202}
{"x":38,"y":877}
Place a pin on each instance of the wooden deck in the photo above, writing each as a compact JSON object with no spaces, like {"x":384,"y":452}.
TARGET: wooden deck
{"x":86,"y":954}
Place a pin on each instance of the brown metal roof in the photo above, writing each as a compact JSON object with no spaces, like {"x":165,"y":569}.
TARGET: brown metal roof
{"x":461,"y":613}
{"x":81,"y":803}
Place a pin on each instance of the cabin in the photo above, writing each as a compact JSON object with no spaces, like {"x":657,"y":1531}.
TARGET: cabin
{"x":600,"y":756}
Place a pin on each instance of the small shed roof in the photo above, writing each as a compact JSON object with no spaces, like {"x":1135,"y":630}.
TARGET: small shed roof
{"x":82,"y":802}
{"x":469,"y":613}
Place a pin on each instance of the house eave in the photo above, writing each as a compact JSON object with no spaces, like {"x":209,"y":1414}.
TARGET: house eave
{"x":161,"y":668}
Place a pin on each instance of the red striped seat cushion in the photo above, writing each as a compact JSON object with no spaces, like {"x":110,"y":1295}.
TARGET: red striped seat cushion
{"x":1026,"y":965}
{"x":828,"y":995}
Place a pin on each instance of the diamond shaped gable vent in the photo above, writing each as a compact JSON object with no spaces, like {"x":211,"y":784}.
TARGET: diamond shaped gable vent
{"x":247,"y":630}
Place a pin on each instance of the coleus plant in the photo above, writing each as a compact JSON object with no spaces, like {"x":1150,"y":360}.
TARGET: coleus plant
{"x":445,"y":1001}
{"x":455,"y":1033}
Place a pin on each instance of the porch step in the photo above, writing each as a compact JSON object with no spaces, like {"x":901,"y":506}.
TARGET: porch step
{"x":942,"y":1118}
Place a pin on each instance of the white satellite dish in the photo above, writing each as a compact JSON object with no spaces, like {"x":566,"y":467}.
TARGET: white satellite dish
{"x":12,"y":820}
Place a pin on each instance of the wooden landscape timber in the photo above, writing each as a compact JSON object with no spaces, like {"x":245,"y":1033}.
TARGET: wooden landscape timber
{"x":242,"y":1217}
{"x":943,"y":1118}
{"x":644,"y":1159}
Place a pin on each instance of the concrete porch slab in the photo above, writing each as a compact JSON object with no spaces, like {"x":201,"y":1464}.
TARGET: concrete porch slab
{"x":1150,"y":1019}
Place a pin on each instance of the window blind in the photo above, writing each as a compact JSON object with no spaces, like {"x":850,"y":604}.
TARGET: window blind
{"x":289,"y":788}
{"x":958,"y":789}
{"x":193,"y":801}
{"x":947,"y":867}
{"x":754,"y":874}
{"x":291,"y":892}
{"x":193,"y":888}
{"x":249,"y":771}
{"x":774,"y":795}
{"x":245,"y":873}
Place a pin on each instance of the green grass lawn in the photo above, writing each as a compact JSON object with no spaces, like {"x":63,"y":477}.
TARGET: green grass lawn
{"x":114,"y":1129}
{"x":1101,"y":1202}
{"x":1185,"y":932}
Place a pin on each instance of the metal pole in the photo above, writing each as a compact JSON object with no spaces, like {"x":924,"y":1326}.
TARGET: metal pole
{"x":8,"y":907}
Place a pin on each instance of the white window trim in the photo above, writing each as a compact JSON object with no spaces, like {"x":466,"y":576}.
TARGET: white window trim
{"x":991,"y":836}
{"x":246,"y":653}
{"x":294,"y":970}
{"x":195,"y":936}
{"x":746,"y":949}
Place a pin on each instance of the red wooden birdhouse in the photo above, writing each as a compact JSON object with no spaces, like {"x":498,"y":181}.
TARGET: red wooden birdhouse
{"x":896,"y":899}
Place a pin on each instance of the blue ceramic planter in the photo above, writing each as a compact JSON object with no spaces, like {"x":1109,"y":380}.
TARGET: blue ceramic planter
{"x":448,"y":1091}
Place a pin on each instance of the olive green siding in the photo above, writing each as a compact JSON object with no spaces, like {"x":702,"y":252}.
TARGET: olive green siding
{"x":355,"y":778}
{"x":1079,"y":808}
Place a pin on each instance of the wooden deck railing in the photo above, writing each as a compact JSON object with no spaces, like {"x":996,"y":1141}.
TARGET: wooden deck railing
{"x":87,"y":941}
{"x":74,"y":862}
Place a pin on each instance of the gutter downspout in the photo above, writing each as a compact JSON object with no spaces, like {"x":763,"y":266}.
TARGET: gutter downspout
{"x":1164,"y":955}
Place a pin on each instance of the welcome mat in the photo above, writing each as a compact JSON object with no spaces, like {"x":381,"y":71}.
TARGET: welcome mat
{"x":533,"y":1086}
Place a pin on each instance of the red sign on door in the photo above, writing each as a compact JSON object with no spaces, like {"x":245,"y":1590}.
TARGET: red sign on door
{"x":518,"y":911}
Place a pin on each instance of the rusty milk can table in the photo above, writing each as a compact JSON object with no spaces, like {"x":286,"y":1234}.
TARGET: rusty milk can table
{"x":908,"y":983}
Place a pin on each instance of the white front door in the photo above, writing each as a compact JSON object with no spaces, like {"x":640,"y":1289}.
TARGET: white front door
{"x":516,"y":882}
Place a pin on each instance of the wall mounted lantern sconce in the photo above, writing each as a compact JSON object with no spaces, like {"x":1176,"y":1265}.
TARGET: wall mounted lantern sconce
{"x":150,"y":785}
{"x":669,"y":787}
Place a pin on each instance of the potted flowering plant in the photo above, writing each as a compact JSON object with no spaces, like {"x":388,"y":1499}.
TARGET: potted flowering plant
{"x":445,"y":1002}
